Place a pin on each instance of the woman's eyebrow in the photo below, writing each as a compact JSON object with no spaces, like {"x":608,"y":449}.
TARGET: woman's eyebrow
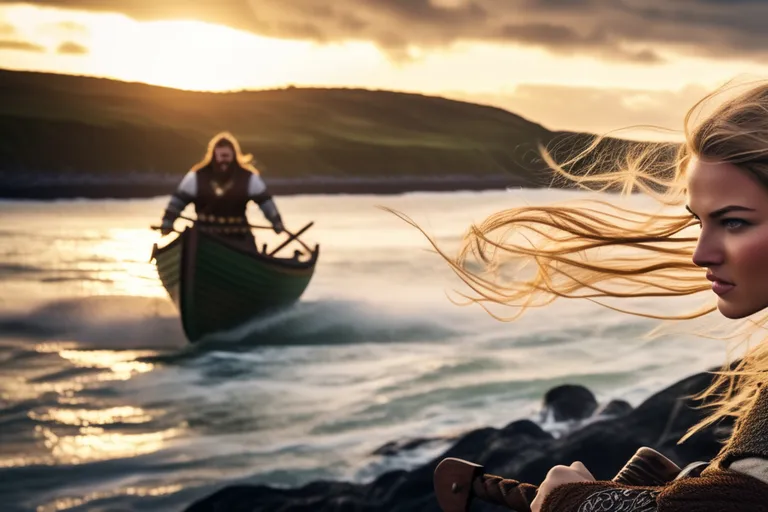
{"x":722,"y":211}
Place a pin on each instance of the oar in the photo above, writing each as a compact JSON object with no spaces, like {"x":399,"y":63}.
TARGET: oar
{"x":249,"y":225}
{"x":252,"y":226}
{"x":158,"y":228}
{"x":457,"y":482}
{"x":294,"y":236}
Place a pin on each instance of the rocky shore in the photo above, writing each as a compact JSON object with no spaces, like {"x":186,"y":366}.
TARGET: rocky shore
{"x":144,"y":186}
{"x":603,"y":437}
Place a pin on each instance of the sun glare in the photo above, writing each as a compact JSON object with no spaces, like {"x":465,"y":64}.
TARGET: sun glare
{"x":189,"y":54}
{"x":183,"y":54}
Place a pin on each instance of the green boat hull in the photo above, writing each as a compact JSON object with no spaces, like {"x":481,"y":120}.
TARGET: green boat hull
{"x":217,"y":285}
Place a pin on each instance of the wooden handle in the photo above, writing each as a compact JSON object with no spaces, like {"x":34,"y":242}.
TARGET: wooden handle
{"x":647,"y":467}
{"x":458,"y":481}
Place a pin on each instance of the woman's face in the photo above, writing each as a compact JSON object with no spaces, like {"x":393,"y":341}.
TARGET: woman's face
{"x":732,"y":207}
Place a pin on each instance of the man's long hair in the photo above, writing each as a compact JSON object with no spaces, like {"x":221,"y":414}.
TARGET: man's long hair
{"x":221,"y":139}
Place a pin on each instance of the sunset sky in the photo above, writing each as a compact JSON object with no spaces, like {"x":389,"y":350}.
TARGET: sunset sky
{"x":593,"y":65}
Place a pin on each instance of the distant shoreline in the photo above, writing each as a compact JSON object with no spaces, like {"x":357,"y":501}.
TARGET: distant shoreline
{"x":154,"y":186}
{"x":69,"y":137}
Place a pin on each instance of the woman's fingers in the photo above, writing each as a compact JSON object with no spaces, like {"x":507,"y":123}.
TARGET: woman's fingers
{"x":558,"y":476}
{"x":582,"y":469}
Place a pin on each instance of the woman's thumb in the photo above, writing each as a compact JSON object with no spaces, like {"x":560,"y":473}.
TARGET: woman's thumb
{"x":582,"y":469}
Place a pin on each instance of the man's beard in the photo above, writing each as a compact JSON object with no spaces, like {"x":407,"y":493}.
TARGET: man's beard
{"x":224,"y":166}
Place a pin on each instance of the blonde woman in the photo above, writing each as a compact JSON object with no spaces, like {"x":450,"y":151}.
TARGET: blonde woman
{"x":719,"y":181}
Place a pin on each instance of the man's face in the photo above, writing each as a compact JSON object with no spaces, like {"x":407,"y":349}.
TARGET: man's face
{"x":223,"y":158}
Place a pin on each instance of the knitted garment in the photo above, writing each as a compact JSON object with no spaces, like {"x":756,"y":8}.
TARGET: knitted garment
{"x":719,"y":488}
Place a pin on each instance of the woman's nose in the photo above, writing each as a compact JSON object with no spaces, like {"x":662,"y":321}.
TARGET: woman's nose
{"x":709,"y":251}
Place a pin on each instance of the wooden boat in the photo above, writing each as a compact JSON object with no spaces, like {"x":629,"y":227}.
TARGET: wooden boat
{"x":218,"y":284}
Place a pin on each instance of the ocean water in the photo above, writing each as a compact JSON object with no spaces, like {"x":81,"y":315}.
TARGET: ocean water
{"x":105,"y":406}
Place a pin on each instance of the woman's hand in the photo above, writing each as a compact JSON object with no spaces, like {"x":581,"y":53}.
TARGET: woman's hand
{"x":558,"y":476}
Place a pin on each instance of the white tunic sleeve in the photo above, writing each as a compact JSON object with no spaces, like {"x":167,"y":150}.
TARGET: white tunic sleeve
{"x":185,"y":193}
{"x":256,"y":186}
{"x":188,"y":185}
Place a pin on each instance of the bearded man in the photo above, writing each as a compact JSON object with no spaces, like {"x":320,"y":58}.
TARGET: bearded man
{"x":221,"y":185}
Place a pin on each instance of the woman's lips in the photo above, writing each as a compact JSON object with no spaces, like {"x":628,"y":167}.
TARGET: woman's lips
{"x":719,"y":285}
{"x":721,"y":288}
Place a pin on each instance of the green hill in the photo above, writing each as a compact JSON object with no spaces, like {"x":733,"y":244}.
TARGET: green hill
{"x":68,"y":126}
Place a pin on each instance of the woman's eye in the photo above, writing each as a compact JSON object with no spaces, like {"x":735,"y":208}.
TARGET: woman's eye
{"x":734,"y":223}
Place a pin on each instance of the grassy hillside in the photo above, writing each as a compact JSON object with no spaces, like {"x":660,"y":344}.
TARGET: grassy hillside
{"x":65,"y":126}
{"x":64,"y":123}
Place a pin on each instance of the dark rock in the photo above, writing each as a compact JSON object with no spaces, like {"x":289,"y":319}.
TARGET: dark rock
{"x":570,"y":402}
{"x":521,"y":450}
{"x":605,"y":446}
{"x":614,"y":408}
{"x":395,"y":447}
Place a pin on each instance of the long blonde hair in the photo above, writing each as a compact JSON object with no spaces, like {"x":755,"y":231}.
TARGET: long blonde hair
{"x":563,"y":245}
{"x":245,"y":161}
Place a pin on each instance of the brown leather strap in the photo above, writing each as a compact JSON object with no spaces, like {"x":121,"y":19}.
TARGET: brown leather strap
{"x":504,"y":491}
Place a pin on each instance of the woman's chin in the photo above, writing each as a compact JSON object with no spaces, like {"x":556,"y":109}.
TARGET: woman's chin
{"x":735,"y":311}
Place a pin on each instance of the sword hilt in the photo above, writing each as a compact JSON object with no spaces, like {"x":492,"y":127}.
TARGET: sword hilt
{"x":457,"y":482}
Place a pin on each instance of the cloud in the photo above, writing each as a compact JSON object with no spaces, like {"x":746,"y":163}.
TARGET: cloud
{"x":72,"y":26}
{"x":71,"y":48}
{"x":62,"y":30}
{"x":596,"y":110}
{"x":563,"y":39}
{"x":629,"y":30}
{"x":21,"y":46}
{"x":7,"y":29}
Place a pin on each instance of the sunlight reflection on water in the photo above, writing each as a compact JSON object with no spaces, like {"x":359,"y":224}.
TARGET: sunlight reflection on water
{"x":68,"y":503}
{"x":95,"y":443}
